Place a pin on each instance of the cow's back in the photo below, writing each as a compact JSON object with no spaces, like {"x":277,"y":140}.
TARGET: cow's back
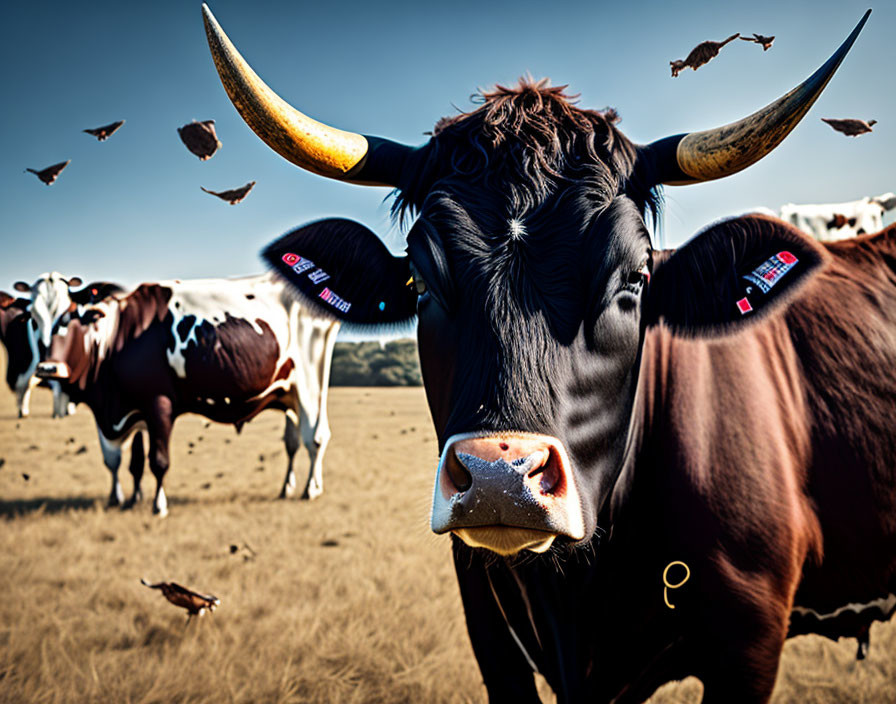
{"x":844,"y":331}
{"x":228,"y":337}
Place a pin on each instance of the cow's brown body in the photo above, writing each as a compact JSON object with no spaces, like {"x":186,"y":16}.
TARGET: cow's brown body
{"x":765,"y":461}
{"x":768,"y":464}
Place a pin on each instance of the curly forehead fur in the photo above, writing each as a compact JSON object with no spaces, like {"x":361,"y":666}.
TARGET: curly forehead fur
{"x":525,"y":144}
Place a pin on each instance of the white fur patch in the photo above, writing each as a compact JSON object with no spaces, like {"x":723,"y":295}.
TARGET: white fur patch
{"x":517,"y":229}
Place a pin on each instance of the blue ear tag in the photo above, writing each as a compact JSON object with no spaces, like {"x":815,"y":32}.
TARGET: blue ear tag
{"x":382,"y":305}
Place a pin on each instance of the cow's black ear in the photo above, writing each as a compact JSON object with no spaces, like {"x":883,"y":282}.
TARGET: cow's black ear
{"x":95,"y":292}
{"x":22,"y":287}
{"x":732,"y":274}
{"x":344,"y":270}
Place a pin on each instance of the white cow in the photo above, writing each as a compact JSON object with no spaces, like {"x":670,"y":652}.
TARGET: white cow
{"x":838,"y":221}
{"x":222,"y":348}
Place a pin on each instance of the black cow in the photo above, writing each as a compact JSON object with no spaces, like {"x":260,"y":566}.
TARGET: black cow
{"x":654,"y":464}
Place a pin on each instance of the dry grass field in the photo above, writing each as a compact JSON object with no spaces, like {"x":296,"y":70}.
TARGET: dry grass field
{"x":345,"y":599}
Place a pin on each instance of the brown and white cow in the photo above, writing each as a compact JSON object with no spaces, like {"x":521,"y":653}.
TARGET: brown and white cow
{"x":654,"y":464}
{"x":18,"y":339}
{"x":223,"y":348}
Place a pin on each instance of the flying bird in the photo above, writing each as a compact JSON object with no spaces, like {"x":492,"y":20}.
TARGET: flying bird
{"x":49,"y":174}
{"x":766,"y":42}
{"x":103,"y":133}
{"x":850,"y":126}
{"x":200,"y":138}
{"x":195,"y":603}
{"x":700,"y":55}
{"x":234,"y":196}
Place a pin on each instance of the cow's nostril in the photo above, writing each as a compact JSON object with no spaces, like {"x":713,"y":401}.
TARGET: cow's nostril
{"x":550,"y":472}
{"x":458,"y":474}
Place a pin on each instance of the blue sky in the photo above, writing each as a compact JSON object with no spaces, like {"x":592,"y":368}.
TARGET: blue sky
{"x":130,"y":209}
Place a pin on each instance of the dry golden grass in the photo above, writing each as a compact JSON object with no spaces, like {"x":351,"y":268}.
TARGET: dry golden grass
{"x":348,"y":598}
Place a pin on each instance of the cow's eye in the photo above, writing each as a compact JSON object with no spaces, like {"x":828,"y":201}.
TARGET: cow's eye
{"x":640,"y":275}
{"x":417,"y":281}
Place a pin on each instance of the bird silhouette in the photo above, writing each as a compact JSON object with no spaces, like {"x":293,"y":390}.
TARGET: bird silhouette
{"x":700,"y":55}
{"x":233,"y":196}
{"x":200,"y":138}
{"x":103,"y":133}
{"x":766,"y":42}
{"x":195,"y":603}
{"x":49,"y":174}
{"x":850,"y":126}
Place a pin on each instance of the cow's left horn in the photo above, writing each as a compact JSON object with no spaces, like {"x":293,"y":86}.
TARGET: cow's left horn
{"x":711,"y":154}
{"x":314,"y":146}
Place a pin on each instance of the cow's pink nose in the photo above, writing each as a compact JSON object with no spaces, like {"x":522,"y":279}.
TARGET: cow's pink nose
{"x":537,"y":458}
{"x":507,"y":491}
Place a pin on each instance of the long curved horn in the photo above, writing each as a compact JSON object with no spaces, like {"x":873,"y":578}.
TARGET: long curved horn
{"x":312,"y":145}
{"x":712,"y":154}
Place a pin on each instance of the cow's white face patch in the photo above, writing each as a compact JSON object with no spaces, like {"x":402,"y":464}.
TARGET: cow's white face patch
{"x":99,"y":334}
{"x":49,"y":301}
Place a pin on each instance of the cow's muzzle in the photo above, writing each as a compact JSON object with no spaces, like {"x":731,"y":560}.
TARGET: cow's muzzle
{"x":52,"y":370}
{"x":506,"y":492}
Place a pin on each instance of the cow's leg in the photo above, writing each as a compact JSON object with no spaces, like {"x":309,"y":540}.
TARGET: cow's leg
{"x":138,"y":459}
{"x":315,"y":437}
{"x":744,"y":639}
{"x":60,"y":400}
{"x":24,"y":386}
{"x":159,"y":422}
{"x":315,"y":425}
{"x":744,"y":677}
{"x":112,"y":459}
{"x":291,"y":440}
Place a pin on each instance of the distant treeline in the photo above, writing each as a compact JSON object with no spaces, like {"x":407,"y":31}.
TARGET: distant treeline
{"x":369,"y":364}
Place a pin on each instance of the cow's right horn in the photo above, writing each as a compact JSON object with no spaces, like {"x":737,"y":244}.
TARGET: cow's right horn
{"x":324,"y":150}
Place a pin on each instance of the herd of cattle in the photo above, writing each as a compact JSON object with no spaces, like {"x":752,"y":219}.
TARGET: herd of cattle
{"x":223,"y":348}
{"x":654,"y":463}
{"x":232,"y":375}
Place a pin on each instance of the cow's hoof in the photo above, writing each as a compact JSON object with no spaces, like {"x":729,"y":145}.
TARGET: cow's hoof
{"x":131,"y":502}
{"x":113,"y":502}
{"x":311,"y":493}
